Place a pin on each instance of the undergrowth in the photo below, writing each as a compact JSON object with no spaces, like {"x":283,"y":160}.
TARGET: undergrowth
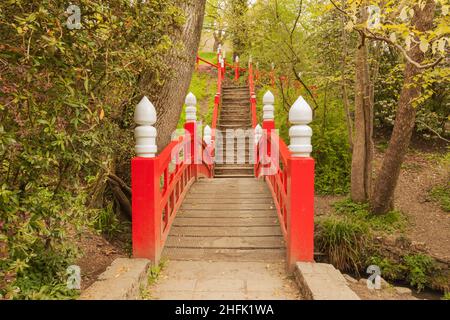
{"x":348,"y":239}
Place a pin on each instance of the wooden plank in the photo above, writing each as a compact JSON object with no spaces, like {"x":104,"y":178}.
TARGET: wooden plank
{"x":224,"y":254}
{"x":206,"y":231}
{"x":273,"y":242}
{"x":228,"y":222}
{"x":228,"y":206}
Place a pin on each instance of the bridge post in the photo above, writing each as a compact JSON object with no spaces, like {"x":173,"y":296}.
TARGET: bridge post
{"x":191,"y":127}
{"x":272,"y":75}
{"x":268,"y":116}
{"x":146,"y":219}
{"x":236,"y":68}
{"x":300,"y":185}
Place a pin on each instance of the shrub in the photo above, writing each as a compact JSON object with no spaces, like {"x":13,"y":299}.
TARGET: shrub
{"x":419,"y":268}
{"x":344,"y":242}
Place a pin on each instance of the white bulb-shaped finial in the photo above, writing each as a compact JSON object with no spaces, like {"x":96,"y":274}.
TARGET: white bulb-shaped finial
{"x":191,"y":110}
{"x":268,"y":109}
{"x":145,"y":133}
{"x":207,"y":135}
{"x":300,"y":133}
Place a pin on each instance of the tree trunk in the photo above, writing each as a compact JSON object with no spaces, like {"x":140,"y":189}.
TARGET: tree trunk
{"x":169,"y":98}
{"x":362,"y":154}
{"x":382,"y":200}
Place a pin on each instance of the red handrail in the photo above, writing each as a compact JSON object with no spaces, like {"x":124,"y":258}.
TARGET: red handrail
{"x":251,"y":86}
{"x":159,"y":185}
{"x":291,"y":183}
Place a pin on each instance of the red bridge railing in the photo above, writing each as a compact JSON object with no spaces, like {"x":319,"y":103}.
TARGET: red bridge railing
{"x":160,"y":182}
{"x":289,"y":174}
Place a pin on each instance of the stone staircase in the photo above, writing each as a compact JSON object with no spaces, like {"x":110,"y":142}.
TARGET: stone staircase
{"x":236,"y":154}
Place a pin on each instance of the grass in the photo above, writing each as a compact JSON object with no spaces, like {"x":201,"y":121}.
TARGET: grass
{"x":208,"y":56}
{"x":203,"y":86}
{"x":441,"y":194}
{"x":152,"y":277}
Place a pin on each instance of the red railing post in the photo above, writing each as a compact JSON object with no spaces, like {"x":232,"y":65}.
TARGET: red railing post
{"x":268,"y":116}
{"x":300,"y":229}
{"x":191,"y":127}
{"x":146,"y":215}
{"x":272,"y":76}
{"x":236,"y":68}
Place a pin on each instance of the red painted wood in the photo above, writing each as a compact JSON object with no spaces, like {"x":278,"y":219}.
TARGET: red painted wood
{"x":300,"y":240}
{"x":146,"y":213}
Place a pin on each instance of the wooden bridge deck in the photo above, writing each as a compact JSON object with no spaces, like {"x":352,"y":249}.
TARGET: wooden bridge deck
{"x":228,"y":219}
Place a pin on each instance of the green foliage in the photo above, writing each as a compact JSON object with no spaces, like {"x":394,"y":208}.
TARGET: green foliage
{"x":390,"y":270}
{"x":105,"y":220}
{"x":66,"y":102}
{"x":419,"y":268}
{"x":346,"y":236}
{"x":441,"y":194}
{"x":204,"y":87}
{"x":389,"y":222}
{"x":343,"y":241}
{"x":446,"y":296}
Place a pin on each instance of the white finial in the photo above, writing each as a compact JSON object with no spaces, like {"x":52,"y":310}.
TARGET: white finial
{"x":145,"y":133}
{"x":258,"y":133}
{"x":207,"y":135}
{"x":268,"y":109}
{"x":300,"y":133}
{"x":236,"y":59}
{"x":273,"y":65}
{"x":191,"y":110}
{"x":222,"y":62}
{"x":219,"y":48}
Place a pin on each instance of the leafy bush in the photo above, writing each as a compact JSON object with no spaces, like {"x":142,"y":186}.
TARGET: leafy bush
{"x":66,"y":101}
{"x":419,"y":267}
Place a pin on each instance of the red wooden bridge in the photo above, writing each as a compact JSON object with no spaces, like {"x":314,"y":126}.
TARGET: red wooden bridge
{"x":235,"y":193}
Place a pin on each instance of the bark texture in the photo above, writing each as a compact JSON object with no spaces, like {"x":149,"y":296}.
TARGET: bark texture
{"x":386,"y":181}
{"x":169,"y":98}
{"x":362,"y":153}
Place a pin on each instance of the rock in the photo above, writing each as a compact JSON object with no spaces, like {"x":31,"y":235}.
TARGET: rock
{"x":363,"y":281}
{"x":384,"y":284}
{"x":350,"y":278}
{"x":403,"y":290}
